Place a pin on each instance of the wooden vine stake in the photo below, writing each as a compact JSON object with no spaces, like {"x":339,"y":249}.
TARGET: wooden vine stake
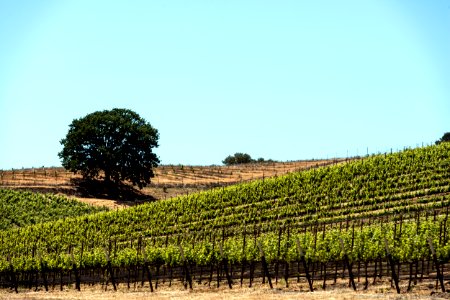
{"x":286,"y":263}
{"x":109,"y":268}
{"x":225,"y":266}
{"x":243,"y":255}
{"x":13,"y":274}
{"x":391,"y":264}
{"x":43,"y":271}
{"x":186,"y":269}
{"x":277,"y":266}
{"x":349,"y":266}
{"x":264,"y":264}
{"x":75,"y":271}
{"x":147,"y":270}
{"x":436,"y":263}
{"x":305,"y":266}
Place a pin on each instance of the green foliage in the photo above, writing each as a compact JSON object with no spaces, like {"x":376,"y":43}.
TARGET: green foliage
{"x":368,"y":245}
{"x":237,"y":158}
{"x":320,"y":207}
{"x":243,"y":158}
{"x":18,"y":209}
{"x":444,"y":138}
{"x":117,"y":143}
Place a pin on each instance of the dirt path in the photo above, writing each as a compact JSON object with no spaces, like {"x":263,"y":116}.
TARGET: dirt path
{"x":251,"y":294}
{"x":258,"y":292}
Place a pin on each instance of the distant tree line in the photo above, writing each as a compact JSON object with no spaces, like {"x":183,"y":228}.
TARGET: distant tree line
{"x":444,"y":138}
{"x":242,"y":158}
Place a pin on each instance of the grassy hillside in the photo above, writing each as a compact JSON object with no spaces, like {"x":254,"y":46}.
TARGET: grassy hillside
{"x":398,"y":199}
{"x":169,"y":180}
{"x":18,"y":209}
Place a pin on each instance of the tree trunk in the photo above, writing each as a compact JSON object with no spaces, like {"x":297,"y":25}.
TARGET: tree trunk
{"x":107,"y":176}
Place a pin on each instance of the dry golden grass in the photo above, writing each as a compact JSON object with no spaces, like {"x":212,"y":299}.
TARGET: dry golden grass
{"x":176,"y":180}
{"x":382,"y":291}
{"x":169,"y":181}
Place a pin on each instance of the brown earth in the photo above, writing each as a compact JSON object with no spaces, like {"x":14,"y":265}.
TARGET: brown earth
{"x":169,"y":181}
{"x":258,"y":292}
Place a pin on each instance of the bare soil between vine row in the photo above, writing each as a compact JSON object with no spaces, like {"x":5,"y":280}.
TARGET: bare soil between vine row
{"x":169,"y":181}
{"x":340,"y":291}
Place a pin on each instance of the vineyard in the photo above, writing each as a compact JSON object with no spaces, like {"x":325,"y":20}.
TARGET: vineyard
{"x":18,"y":209}
{"x":169,"y":180}
{"x":385,"y":216}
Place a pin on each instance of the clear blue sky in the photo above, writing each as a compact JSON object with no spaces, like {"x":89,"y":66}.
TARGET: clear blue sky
{"x":285,"y":80}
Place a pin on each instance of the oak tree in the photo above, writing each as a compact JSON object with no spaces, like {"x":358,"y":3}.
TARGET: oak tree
{"x":112,"y":144}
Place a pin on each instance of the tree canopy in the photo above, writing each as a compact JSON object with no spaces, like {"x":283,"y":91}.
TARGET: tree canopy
{"x":243,"y":158}
{"x":114,"y":144}
{"x":444,"y":138}
{"x":237,"y":158}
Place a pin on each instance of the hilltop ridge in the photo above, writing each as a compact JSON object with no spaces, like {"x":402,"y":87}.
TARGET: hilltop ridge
{"x":169,"y":180}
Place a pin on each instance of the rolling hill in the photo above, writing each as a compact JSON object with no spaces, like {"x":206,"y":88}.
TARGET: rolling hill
{"x":385,"y":213}
{"x":169,"y":181}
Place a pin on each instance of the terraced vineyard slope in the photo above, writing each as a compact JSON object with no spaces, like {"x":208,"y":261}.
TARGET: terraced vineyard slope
{"x":18,"y":209}
{"x":169,"y":181}
{"x":388,"y":214}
